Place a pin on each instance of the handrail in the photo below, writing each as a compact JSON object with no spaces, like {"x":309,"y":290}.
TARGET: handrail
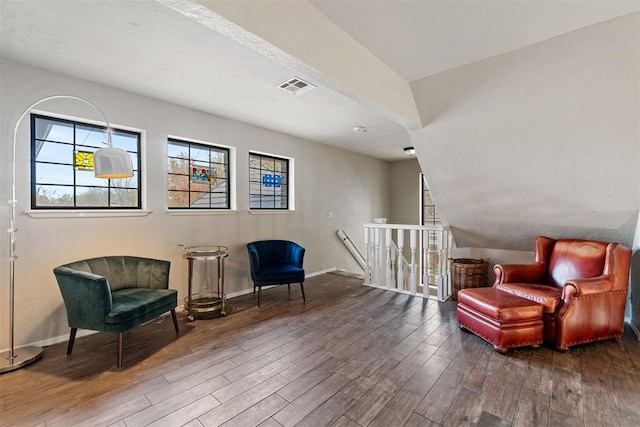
{"x":357,"y":255}
{"x":405,"y":226}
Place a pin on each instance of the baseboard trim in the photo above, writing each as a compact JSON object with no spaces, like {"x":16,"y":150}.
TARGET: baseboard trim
{"x":60,"y":338}
{"x":318,"y":273}
{"x":85,"y":332}
{"x":635,"y":330}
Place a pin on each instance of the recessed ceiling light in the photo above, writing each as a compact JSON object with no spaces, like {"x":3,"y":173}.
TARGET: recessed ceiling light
{"x":359,"y":129}
{"x":296,"y":86}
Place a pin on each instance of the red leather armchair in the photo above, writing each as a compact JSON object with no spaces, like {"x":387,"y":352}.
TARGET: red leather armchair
{"x":581,"y":284}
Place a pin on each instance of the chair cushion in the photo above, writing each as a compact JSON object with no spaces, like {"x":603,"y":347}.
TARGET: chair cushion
{"x":132,"y":306}
{"x":501,"y":306}
{"x":548,"y":296}
{"x":279,"y":274}
{"x":576,"y":259}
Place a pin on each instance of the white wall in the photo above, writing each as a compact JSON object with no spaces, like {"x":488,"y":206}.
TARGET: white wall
{"x":351,"y":186}
{"x":543,"y":140}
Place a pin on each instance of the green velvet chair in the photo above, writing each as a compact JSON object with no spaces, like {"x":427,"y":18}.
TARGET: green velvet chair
{"x":115,"y":294}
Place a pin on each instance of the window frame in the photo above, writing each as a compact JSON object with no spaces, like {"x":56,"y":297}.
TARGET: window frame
{"x":39,"y":210}
{"x":290,"y":183}
{"x":230,"y":156}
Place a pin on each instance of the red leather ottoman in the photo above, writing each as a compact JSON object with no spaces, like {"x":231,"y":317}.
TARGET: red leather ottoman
{"x":503,"y":319}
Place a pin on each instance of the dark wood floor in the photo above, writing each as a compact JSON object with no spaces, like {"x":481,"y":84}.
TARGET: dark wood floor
{"x":351,"y":356}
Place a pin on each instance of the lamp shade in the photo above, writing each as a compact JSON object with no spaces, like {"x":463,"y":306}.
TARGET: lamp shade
{"x":112,"y":163}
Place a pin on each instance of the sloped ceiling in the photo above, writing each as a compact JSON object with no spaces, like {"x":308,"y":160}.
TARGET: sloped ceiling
{"x":424,"y":73}
{"x":541,"y":141}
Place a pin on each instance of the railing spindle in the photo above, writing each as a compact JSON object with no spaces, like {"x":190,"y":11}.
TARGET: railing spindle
{"x":434,"y":259}
{"x":400,"y":264}
{"x":377,"y":255}
{"x":387,"y":241}
{"x":412,"y":275}
{"x":367,"y":270}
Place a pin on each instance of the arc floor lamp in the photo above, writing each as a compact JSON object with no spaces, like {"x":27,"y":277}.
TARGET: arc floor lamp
{"x":110,"y":163}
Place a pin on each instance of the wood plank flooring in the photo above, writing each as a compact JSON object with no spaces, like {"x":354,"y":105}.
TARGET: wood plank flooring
{"x":351,"y":356}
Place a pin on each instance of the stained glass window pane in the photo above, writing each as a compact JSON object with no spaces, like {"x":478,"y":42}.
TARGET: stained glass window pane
{"x":84,"y":160}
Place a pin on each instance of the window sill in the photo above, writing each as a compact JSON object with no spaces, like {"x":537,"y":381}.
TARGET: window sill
{"x":271,"y":211}
{"x":180,"y":212}
{"x":85,"y":214}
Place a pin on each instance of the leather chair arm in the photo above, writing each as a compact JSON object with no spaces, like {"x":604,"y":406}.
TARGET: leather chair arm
{"x":519,"y":273}
{"x":590,"y":286}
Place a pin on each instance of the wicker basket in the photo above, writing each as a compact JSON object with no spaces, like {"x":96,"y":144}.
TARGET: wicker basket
{"x":468,"y":273}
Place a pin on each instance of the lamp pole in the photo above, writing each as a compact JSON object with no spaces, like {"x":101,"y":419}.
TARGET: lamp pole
{"x":11,"y":359}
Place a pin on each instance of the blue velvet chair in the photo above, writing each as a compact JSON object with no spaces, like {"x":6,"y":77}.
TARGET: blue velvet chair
{"x":276,"y":262}
{"x":115,"y":294}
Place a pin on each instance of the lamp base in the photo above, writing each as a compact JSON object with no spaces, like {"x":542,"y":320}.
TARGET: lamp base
{"x":22,"y":357}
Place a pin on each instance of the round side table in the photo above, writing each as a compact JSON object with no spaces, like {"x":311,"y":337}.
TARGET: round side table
{"x":207,"y":300}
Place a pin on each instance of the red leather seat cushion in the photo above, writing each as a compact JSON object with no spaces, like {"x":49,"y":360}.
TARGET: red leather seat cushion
{"x":501,"y":306}
{"x":548,"y":296}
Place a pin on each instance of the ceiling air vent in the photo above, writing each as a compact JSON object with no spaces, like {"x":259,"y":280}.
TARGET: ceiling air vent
{"x":296,"y":86}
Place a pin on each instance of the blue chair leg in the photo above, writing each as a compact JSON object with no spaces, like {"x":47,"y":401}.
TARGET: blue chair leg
{"x":302,"y":289}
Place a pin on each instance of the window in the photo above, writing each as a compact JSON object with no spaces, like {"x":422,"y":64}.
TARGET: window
{"x":429,"y":213}
{"x":268,"y":182}
{"x":62,"y":166}
{"x":197,"y":176}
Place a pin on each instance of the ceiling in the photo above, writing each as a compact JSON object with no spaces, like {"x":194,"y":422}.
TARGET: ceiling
{"x":227,"y":58}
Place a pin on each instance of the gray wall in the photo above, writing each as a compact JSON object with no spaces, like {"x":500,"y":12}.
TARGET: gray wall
{"x":544,"y":140}
{"x":404,"y":192}
{"x":351,"y":186}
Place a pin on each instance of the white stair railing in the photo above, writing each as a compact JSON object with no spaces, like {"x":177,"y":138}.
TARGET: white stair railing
{"x":353,"y":249}
{"x":428,"y":252}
